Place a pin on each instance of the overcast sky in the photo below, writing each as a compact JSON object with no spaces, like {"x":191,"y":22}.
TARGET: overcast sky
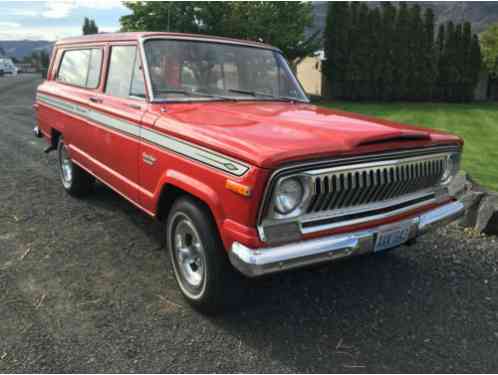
{"x":50,"y":20}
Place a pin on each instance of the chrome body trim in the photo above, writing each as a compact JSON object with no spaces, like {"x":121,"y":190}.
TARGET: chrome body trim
{"x":176,"y":145}
{"x":213,"y":40}
{"x":257,"y":262}
{"x":382,"y":216}
{"x":145,"y":64}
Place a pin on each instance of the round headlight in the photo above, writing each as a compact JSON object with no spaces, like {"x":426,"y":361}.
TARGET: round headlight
{"x":289,"y":195}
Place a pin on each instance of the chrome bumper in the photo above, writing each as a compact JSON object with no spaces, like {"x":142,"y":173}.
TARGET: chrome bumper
{"x":256,"y":262}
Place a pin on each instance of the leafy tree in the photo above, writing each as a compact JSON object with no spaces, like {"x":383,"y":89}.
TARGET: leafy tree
{"x":467,"y":69}
{"x":392,"y":53}
{"x":428,"y":59}
{"x":336,"y":48}
{"x":388,"y":53}
{"x":489,"y":48}
{"x":40,"y":59}
{"x":161,"y":16}
{"x":475,"y":59}
{"x":376,"y":53}
{"x":402,"y":51}
{"x":281,"y":24}
{"x":90,"y":27}
{"x":415,"y":63}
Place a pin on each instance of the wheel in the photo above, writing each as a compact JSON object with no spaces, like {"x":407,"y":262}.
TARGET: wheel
{"x":75,"y":180}
{"x":200,"y":264}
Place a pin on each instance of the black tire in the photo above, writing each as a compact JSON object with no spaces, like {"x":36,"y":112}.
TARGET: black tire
{"x":75,"y":180}
{"x":215,"y":293}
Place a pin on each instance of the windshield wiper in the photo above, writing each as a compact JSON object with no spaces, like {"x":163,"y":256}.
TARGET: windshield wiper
{"x":257,"y":93}
{"x":252,"y":93}
{"x":193,"y":93}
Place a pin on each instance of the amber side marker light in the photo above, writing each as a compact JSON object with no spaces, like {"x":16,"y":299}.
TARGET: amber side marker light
{"x":238,"y":188}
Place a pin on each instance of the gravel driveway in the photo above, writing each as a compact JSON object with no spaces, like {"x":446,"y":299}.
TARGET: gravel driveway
{"x":86,"y":287}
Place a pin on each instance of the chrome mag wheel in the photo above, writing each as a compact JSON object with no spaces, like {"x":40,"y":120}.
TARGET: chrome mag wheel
{"x":188,"y":256}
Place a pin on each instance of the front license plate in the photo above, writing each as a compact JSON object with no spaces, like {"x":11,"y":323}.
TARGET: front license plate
{"x":392,"y":238}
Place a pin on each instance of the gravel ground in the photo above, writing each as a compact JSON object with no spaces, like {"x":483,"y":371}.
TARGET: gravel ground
{"x":86,"y":287}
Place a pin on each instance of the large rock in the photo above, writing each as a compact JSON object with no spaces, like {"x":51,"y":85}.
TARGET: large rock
{"x":487,"y":215}
{"x":470,"y":194}
{"x":472,"y":202}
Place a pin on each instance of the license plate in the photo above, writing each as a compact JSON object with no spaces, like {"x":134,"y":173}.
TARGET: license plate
{"x":392,"y":238}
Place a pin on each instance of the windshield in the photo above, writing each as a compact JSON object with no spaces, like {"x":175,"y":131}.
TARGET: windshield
{"x":192,"y":70}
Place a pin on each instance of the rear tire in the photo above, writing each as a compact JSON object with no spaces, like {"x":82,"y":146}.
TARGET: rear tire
{"x":75,"y":180}
{"x":200,"y":264}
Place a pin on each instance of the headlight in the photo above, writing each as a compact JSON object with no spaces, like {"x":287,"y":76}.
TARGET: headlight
{"x":289,"y":195}
{"x":452,"y":168}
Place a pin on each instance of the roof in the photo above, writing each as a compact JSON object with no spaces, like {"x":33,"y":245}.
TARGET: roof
{"x":132,"y":36}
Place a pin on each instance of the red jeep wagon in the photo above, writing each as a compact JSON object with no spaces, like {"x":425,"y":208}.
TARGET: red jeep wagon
{"x":216,"y":138}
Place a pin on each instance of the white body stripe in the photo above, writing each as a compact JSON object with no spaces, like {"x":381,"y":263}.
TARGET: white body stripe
{"x":179,"y":146}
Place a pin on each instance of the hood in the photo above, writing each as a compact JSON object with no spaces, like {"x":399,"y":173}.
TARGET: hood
{"x":270,"y":134}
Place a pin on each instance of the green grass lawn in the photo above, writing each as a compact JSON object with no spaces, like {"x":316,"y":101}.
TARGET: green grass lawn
{"x":477,"y":124}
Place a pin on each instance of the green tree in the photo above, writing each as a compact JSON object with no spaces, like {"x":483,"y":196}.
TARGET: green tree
{"x":336,"y":48}
{"x":281,"y":24}
{"x":467,"y":71}
{"x":476,"y":60}
{"x":388,"y":52}
{"x":402,"y":39}
{"x":161,"y":16}
{"x":90,"y":27}
{"x":489,"y":47}
{"x":441,"y":71}
{"x":415,"y":63}
{"x":376,"y":53}
{"x":428,"y":58}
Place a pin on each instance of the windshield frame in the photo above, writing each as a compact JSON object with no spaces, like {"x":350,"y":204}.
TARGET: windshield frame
{"x":148,"y":80}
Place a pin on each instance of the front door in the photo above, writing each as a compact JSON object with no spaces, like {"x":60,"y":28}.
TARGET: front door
{"x":119,"y":111}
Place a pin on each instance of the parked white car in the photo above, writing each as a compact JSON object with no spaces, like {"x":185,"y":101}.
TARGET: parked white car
{"x":7,"y":67}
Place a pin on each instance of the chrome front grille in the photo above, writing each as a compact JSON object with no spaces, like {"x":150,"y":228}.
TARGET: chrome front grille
{"x":363,"y":184}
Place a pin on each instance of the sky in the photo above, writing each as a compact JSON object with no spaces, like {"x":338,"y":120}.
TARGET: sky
{"x":52,"y":20}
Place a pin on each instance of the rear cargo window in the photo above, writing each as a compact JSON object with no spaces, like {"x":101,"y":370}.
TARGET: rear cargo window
{"x":81,"y":68}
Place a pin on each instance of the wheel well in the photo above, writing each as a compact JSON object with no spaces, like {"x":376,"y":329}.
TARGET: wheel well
{"x":169,"y":194}
{"x":54,"y":139}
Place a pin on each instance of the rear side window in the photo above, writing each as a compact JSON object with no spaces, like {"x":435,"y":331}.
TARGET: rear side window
{"x":125,"y":78}
{"x":81,"y":68}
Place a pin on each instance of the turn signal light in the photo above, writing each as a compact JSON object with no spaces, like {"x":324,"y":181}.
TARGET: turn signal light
{"x":238,"y":188}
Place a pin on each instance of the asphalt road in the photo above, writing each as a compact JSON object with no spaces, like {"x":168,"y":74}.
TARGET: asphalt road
{"x":86,"y":287}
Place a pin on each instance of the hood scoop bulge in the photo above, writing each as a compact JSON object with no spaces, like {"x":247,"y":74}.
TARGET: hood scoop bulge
{"x":397,"y":137}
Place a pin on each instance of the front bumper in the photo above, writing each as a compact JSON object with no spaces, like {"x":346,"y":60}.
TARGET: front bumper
{"x":257,"y":262}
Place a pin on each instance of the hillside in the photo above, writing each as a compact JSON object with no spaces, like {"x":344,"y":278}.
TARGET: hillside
{"x":479,"y":13}
{"x":22,"y":48}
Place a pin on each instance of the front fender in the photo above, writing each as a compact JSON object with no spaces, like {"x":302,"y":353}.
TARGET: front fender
{"x":195,"y":187}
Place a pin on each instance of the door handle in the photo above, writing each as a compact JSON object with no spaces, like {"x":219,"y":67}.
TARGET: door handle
{"x":148,"y":159}
{"x":135,"y":106}
{"x":95,"y":99}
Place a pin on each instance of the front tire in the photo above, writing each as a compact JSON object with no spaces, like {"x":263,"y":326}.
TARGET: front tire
{"x":75,"y":180}
{"x":200,"y":264}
